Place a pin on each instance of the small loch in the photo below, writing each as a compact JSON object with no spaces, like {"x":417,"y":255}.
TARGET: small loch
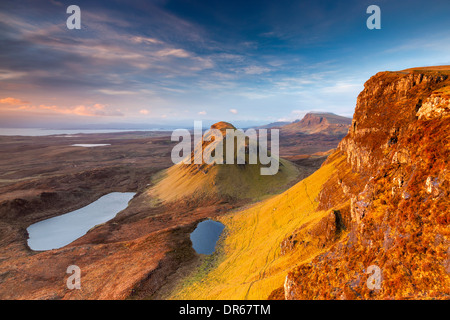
{"x":205,"y":236}
{"x":59,"y":231}
{"x":90,"y":145}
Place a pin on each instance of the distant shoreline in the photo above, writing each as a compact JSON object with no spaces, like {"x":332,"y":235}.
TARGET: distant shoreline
{"x":33,"y":132}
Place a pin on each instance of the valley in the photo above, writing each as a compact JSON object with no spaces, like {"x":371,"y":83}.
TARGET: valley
{"x":136,"y":251}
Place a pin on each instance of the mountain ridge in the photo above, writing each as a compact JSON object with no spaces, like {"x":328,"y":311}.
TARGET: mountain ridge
{"x":319,"y":122}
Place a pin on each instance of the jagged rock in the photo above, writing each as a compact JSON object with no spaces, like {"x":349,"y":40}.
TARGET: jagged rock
{"x":434,"y":107}
{"x":400,"y":218}
{"x":372,"y":129}
{"x":432,"y":186}
{"x":447,"y":262}
{"x":287,"y":244}
{"x":401,"y":157}
{"x":358,"y":209}
{"x":345,"y":188}
{"x":289,"y":293}
{"x":406,"y":195}
{"x":359,"y":205}
{"x":397,"y":184}
{"x":328,"y":228}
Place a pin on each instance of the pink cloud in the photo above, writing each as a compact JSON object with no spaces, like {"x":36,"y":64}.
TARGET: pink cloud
{"x":12,"y":101}
{"x":95,"y":110}
{"x":179,"y":53}
{"x":82,"y":110}
{"x":146,"y":40}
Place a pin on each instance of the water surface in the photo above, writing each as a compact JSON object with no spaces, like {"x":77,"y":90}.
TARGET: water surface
{"x":59,"y":231}
{"x":205,"y":236}
{"x":90,"y":145}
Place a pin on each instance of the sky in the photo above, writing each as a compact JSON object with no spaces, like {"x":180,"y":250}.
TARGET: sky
{"x":173,"y":62}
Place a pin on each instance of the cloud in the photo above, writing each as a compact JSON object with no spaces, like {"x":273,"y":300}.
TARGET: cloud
{"x":115,"y":92}
{"x":343,"y":87}
{"x":179,"y":53}
{"x":437,"y":42}
{"x":12,"y":101}
{"x":94,"y":110}
{"x":56,"y":3}
{"x":8,"y":74}
{"x":144,"y":111}
{"x":82,"y":110}
{"x":146,"y":40}
{"x":255,"y":95}
{"x":146,"y":54}
{"x":104,"y":49}
{"x":255,"y":70}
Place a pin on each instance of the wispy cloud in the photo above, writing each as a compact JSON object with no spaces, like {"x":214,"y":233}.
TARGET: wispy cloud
{"x":264,"y":60}
{"x":95,"y":110}
{"x":117,"y":92}
{"x":255,"y":95}
{"x":12,"y":101}
{"x":10,"y":74}
{"x":179,"y":53}
{"x":255,"y":70}
{"x":146,"y":40}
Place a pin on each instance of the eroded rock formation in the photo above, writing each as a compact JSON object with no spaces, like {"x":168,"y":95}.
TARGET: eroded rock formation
{"x":396,"y":182}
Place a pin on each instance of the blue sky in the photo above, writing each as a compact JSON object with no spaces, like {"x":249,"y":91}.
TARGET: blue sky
{"x":179,"y":61}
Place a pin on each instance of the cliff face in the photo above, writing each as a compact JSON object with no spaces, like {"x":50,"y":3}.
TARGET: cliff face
{"x":386,"y":107}
{"x":391,"y":195}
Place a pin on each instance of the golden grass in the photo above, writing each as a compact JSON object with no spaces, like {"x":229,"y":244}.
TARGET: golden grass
{"x":430,"y":69}
{"x":444,"y":91}
{"x":239,"y":182}
{"x":249,"y":265}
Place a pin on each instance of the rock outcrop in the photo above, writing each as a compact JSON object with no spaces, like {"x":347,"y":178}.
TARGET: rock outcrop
{"x":396,"y":183}
{"x":198,"y":180}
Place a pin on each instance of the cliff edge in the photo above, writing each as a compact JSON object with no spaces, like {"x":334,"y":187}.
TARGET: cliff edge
{"x":392,"y":194}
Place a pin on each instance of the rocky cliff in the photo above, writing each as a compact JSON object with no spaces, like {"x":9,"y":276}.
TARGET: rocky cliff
{"x":392,"y":194}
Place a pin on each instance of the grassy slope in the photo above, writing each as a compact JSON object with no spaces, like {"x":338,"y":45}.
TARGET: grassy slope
{"x":249,"y":265}
{"x":224,"y":181}
{"x":181,"y":181}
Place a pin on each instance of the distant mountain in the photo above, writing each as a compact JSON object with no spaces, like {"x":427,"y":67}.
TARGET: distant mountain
{"x":271,"y":125}
{"x":328,"y":123}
